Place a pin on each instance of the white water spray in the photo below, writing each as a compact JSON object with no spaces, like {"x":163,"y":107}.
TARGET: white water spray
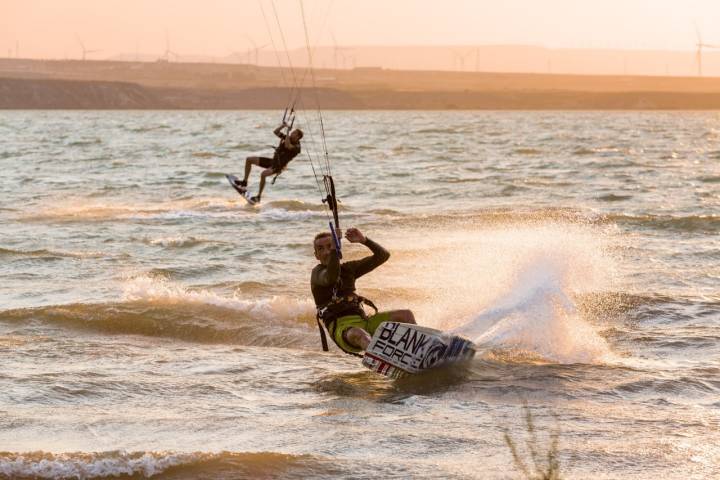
{"x":509,"y":287}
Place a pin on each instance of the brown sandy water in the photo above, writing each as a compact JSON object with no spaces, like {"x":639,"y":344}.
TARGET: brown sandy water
{"x":151,"y":324}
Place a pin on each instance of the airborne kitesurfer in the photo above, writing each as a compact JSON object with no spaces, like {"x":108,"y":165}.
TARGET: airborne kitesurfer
{"x":333,"y":287}
{"x":288,"y":149}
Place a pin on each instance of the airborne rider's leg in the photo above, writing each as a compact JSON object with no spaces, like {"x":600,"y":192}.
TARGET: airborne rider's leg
{"x":265,"y":173}
{"x":249,"y":162}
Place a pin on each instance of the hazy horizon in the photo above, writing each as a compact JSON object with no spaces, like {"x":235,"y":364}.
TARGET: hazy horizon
{"x":467,"y":58}
{"x":217,"y":28}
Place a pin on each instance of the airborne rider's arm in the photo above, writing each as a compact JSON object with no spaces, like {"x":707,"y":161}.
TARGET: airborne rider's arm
{"x":278,"y":131}
{"x":327,"y":277}
{"x":368,"y":264}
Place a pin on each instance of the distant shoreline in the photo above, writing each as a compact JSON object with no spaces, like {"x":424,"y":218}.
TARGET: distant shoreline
{"x":87,"y":85}
{"x":35,"y":94}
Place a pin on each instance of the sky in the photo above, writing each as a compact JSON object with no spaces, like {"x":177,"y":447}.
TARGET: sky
{"x":55,"y":28}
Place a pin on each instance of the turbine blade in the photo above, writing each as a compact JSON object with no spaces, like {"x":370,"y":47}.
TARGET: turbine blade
{"x":697,"y":32}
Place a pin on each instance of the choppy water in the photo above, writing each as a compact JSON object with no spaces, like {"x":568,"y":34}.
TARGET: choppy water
{"x":152,"y":323}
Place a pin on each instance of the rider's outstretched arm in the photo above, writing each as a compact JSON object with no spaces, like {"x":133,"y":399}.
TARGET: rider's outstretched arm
{"x":278,"y":131}
{"x":327,"y":277}
{"x":368,"y":264}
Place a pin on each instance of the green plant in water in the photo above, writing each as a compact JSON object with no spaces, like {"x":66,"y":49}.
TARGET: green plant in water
{"x":544,"y":466}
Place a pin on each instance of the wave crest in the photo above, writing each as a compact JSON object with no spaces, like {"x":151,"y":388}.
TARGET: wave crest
{"x":46,"y":254}
{"x":177,"y":242}
{"x":297,"y":205}
{"x":685,"y":223}
{"x":82,"y":211}
{"x":159,"y":308}
{"x":162,"y":291}
{"x":115,"y":464}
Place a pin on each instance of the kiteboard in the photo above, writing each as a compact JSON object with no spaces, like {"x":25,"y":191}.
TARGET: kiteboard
{"x":235,"y":183}
{"x":400,"y":349}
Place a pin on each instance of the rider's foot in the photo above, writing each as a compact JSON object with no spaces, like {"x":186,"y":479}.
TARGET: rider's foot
{"x":255,"y":199}
{"x":241,"y":183}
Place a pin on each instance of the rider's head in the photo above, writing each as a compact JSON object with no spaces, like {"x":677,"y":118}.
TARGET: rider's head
{"x":324,"y":246}
{"x":296,"y":135}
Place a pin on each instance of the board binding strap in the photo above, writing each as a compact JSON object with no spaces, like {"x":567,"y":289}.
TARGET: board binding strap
{"x":235,"y":183}
{"x":401,"y":349}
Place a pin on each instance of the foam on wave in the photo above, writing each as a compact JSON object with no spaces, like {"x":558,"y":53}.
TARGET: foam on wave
{"x":114,"y":464}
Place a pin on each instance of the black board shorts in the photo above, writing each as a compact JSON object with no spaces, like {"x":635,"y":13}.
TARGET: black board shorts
{"x":265,"y":162}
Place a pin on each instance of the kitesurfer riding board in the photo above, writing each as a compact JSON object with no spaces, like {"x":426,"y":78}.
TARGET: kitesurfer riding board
{"x":392,"y":343}
{"x":288,"y":148}
{"x":339,"y":307}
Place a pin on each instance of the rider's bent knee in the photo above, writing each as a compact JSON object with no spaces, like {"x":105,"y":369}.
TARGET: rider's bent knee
{"x":405,"y":316}
{"x":355,"y":335}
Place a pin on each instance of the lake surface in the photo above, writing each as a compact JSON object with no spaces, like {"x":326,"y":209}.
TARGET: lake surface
{"x":154,"y":324}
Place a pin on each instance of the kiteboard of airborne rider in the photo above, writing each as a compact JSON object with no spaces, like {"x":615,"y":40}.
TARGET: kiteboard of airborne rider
{"x":288,"y":149}
{"x":333,"y":287}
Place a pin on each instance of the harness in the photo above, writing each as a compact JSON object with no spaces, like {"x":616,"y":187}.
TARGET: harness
{"x":276,"y":165}
{"x":328,"y":314}
{"x":286,"y":116}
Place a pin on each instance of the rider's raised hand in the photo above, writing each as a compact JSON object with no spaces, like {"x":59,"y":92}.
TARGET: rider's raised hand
{"x":354,"y":235}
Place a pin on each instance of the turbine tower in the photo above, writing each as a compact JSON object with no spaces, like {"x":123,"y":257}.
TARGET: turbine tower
{"x":698,"y":53}
{"x":166,"y":54}
{"x":338,"y":52}
{"x":255,"y":51}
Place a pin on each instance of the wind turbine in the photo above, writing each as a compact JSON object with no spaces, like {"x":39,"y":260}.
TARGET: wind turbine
{"x":700,"y":45}
{"x":255,"y":50}
{"x":459,"y":58}
{"x":166,"y":55}
{"x":85,"y":51}
{"x":338,"y":51}
{"x":235,"y":55}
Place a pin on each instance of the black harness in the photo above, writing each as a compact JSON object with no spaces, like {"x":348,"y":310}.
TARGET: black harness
{"x":277,"y":165}
{"x":276,"y":160}
{"x":331,"y":311}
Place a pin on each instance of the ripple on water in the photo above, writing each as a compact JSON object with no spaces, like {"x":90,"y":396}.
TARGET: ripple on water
{"x":613,"y":197}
